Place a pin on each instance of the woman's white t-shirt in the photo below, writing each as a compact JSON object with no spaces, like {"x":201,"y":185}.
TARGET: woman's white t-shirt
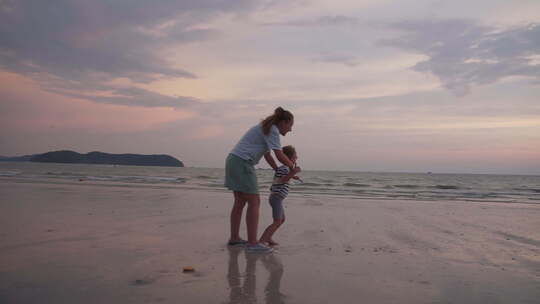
{"x":254,"y":144}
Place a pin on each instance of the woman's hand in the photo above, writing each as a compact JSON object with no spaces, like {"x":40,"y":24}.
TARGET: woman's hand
{"x":270,"y":160}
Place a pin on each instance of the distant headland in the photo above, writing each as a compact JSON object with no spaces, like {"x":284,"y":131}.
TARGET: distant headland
{"x":73,"y":157}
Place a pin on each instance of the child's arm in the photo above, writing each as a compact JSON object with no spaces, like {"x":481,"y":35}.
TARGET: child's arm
{"x":286,"y":178}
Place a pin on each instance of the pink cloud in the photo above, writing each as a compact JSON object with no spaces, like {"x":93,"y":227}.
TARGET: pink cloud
{"x":27,"y":108}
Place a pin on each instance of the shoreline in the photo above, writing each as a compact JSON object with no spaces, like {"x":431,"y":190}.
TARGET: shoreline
{"x":78,"y":243}
{"x":308,"y":170}
{"x":263,"y":192}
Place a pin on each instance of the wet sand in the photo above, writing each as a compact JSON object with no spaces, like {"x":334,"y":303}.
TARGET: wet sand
{"x":83,"y":243}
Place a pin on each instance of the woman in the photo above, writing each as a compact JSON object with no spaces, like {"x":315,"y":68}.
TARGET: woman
{"x":241,"y":178}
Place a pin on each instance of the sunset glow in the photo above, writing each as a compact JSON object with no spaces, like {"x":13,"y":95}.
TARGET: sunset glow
{"x":374,"y":85}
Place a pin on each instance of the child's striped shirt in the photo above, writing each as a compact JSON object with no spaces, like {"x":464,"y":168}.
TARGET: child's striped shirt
{"x":282,"y":189}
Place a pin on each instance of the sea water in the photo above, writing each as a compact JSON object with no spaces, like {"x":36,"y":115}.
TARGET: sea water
{"x":360,"y":185}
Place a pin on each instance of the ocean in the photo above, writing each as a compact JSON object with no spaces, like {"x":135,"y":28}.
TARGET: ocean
{"x":359,"y":185}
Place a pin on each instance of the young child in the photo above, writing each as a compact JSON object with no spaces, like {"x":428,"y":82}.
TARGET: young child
{"x":278,"y":192}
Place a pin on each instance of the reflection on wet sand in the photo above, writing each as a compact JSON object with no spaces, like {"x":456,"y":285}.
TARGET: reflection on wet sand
{"x":246,"y":291}
{"x":275,"y":268}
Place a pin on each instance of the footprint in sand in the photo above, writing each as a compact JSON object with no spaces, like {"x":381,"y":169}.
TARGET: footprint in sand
{"x":141,"y":282}
{"x":312,"y":202}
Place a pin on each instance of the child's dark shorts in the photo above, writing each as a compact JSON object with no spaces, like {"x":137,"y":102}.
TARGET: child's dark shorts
{"x":276,"y":201}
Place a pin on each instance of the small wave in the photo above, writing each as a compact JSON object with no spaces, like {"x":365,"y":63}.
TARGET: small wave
{"x":137,"y":179}
{"x":9,"y":173}
{"x":62,"y":174}
{"x":214,"y":185}
{"x":447,"y":187}
{"x":480,"y":194}
{"x":379,"y":180}
{"x":204,"y":177}
{"x":162,"y":179}
{"x":308,"y":184}
{"x":309,"y":189}
{"x":97,"y":178}
{"x":355,"y":185}
{"x":527,"y":189}
{"x":324,"y":180}
{"x":406,"y":186}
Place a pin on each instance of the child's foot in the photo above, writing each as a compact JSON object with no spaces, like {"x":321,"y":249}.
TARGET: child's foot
{"x":258,"y":248}
{"x":272,"y":243}
{"x":268,"y":242}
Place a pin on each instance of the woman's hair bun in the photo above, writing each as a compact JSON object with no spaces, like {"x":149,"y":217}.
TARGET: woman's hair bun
{"x":279,"y":115}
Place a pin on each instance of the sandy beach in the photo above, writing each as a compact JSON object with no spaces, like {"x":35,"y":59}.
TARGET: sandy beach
{"x":87,"y":243}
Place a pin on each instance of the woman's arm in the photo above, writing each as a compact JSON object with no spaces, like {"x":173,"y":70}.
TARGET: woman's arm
{"x":270,"y":160}
{"x":283,"y":158}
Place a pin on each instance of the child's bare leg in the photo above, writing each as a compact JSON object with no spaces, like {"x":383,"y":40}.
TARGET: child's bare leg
{"x":269,"y":232}
{"x":271,"y":241}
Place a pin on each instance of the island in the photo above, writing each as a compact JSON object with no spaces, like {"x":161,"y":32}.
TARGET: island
{"x":96,"y":157}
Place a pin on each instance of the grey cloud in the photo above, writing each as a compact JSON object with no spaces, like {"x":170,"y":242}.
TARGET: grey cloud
{"x":462,"y":54}
{"x":337,"y":20}
{"x":75,"y":37}
{"x":343,"y":58}
{"x":78,"y":43}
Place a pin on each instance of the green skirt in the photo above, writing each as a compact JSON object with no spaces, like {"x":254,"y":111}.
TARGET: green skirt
{"x":240,"y":175}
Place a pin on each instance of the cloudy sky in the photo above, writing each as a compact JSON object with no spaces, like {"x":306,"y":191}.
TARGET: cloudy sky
{"x":375,"y":85}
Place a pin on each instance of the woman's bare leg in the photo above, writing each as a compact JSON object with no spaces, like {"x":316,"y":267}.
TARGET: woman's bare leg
{"x":252,"y":217}
{"x":236,"y":215}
